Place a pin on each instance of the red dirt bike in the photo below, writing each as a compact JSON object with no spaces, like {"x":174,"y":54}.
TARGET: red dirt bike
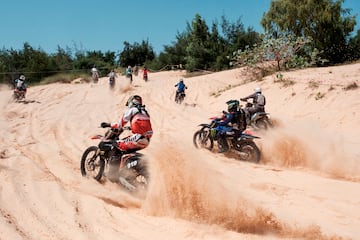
{"x":127,"y":168}
{"x":145,"y":77}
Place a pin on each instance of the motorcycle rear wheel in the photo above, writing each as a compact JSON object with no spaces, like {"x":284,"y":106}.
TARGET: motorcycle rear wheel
{"x":262,"y":124}
{"x":92,"y":163}
{"x":142,"y":177}
{"x":201,"y":139}
{"x":248,"y":151}
{"x":179,"y":98}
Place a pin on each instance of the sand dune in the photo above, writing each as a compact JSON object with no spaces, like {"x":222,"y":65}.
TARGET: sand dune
{"x":306,"y":186}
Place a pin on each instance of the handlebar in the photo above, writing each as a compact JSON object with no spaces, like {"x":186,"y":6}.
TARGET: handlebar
{"x":108,"y":125}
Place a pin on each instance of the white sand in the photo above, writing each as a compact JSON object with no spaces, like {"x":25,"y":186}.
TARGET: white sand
{"x":307,"y":184}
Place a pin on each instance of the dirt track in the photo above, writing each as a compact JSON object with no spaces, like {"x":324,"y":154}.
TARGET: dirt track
{"x":307,"y":185}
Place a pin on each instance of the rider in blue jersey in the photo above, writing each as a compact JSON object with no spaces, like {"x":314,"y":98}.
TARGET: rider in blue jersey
{"x":181,"y":88}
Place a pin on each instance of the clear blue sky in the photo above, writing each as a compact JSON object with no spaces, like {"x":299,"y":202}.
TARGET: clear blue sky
{"x":105,"y":24}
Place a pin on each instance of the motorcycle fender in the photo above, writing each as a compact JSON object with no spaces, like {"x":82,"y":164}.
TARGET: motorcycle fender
{"x":132,"y":164}
{"x":257,"y":116}
{"x":246,"y":137}
{"x":129,"y":160}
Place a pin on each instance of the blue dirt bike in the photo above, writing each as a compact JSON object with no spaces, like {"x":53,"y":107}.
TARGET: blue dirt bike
{"x":240,"y":143}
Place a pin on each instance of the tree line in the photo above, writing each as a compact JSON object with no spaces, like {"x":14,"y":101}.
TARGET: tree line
{"x":297,"y":33}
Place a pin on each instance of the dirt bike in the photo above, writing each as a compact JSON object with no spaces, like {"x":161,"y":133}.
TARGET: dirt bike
{"x":240,"y":143}
{"x":145,"y":77}
{"x":179,"y":97}
{"x":127,"y":168}
{"x":18,"y":95}
{"x":258,"y":120}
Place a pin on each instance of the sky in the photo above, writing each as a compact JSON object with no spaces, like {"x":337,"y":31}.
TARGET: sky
{"x":104,"y":25}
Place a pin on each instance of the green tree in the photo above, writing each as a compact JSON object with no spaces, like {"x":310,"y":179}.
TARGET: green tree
{"x":174,"y":54}
{"x":355,"y":47}
{"x":325,"y":21}
{"x":61,"y":60}
{"x":284,"y":50}
{"x":198,"y":53}
{"x":136,"y":54}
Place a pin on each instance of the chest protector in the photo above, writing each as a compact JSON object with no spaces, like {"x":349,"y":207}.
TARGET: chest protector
{"x":239,"y":120}
{"x":140,"y":123}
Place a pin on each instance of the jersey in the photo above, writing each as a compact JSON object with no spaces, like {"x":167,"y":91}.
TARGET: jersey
{"x":20,"y":84}
{"x":241,"y":120}
{"x":260,"y":99}
{"x":128,"y":71}
{"x":181,"y":87}
{"x":112,"y":75}
{"x":139,"y":121}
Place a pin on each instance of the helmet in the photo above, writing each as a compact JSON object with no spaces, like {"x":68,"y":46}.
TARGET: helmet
{"x":233,"y":105}
{"x":181,"y":80}
{"x":22,"y":77}
{"x":135,"y":100}
{"x":257,"y":89}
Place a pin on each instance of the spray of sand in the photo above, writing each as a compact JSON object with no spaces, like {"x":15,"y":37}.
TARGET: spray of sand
{"x":310,"y":147}
{"x":185,"y":186}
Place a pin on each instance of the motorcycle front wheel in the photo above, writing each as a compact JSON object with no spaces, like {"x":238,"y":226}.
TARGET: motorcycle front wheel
{"x":248,"y":151}
{"x":202,"y":139}
{"x":92,"y":163}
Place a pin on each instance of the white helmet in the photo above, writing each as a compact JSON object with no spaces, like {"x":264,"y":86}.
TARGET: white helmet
{"x":257,"y":89}
{"x":22,"y":77}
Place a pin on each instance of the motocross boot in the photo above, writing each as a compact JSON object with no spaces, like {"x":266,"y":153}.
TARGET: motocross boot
{"x":114,"y":164}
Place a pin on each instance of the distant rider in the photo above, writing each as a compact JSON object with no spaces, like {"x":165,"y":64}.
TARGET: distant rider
{"x":112,"y":76}
{"x":180,"y":88}
{"x":128,"y":73}
{"x":231,"y":123}
{"x":94,"y":74}
{"x":145,"y":74}
{"x":258,"y":101}
{"x":20,"y":84}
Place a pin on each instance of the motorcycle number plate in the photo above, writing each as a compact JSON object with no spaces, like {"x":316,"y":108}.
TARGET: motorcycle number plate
{"x":131,"y":164}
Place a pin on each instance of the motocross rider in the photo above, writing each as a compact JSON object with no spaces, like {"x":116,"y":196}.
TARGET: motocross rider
{"x":231,"y":122}
{"x":140,"y":124}
{"x":145,"y":74}
{"x":112,"y":75}
{"x":94,"y":74}
{"x":128,"y":73}
{"x":259,"y":102}
{"x":180,"y":88}
{"x":20,"y":84}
